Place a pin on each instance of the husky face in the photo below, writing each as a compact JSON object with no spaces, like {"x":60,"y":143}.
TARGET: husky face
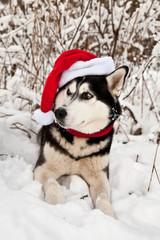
{"x":89,"y":104}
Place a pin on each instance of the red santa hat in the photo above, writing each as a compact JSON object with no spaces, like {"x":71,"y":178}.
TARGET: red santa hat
{"x":69,"y":65}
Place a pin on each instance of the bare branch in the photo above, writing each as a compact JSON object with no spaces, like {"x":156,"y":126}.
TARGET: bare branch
{"x":89,"y":1}
{"x":138,"y":77}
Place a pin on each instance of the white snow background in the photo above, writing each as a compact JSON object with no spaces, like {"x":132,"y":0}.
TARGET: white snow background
{"x":25,"y":216}
{"x":29,"y":45}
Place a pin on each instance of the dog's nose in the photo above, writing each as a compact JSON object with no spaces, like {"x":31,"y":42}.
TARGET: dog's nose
{"x":60,"y":113}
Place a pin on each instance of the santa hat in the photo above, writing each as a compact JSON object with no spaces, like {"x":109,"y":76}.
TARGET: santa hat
{"x":69,"y":65}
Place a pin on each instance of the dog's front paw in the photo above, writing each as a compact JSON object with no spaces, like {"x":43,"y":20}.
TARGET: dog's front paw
{"x":104,"y":205}
{"x":53,"y":192}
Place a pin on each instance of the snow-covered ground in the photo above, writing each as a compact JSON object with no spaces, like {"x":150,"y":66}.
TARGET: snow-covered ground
{"x":25,"y":216}
{"x":31,"y":39}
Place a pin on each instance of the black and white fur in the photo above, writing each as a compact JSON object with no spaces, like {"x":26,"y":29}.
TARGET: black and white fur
{"x":86,"y":104}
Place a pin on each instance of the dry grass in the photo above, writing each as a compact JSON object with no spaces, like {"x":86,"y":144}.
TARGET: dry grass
{"x":154,"y":169}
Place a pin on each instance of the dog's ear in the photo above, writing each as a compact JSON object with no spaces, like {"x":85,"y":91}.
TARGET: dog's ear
{"x":116,"y":80}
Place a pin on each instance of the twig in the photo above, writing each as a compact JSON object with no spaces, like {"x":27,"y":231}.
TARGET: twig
{"x":6,"y":115}
{"x":137,"y":158}
{"x":123,"y":131}
{"x":132,"y":30}
{"x":142,"y":97}
{"x":153,"y":168}
{"x":3,"y":154}
{"x":15,"y":126}
{"x":79,"y":24}
{"x":57,"y":38}
{"x":138,"y":78}
{"x":113,"y":27}
{"x":83,"y":197}
{"x":157,"y":175}
{"x":116,"y":35}
{"x":131,"y":113}
{"x":33,"y":131}
{"x":149,"y":8}
{"x":157,"y":116}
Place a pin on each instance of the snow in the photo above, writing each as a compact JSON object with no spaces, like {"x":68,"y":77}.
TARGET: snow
{"x":25,"y":215}
{"x":4,"y":22}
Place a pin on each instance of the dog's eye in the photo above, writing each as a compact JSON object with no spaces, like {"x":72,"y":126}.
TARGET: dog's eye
{"x":86,"y":96}
{"x":68,"y":92}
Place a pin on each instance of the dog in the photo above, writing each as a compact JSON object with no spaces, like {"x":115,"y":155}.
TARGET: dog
{"x":87,"y":105}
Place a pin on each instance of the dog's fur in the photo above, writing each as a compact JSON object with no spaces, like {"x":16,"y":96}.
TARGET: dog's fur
{"x":86,"y":104}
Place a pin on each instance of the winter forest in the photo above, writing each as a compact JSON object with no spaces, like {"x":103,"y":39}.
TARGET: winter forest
{"x":33,"y":33}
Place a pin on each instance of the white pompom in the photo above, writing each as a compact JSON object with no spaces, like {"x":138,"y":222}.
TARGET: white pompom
{"x":44,"y":118}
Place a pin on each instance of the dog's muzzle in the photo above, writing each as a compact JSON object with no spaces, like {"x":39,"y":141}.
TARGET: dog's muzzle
{"x":60,"y":115}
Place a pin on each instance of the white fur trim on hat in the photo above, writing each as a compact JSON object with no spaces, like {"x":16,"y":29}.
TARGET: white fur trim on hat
{"x":95,"y":66}
{"x":44,"y":118}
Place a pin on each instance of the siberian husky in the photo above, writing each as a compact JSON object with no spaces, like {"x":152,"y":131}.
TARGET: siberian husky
{"x":89,"y":106}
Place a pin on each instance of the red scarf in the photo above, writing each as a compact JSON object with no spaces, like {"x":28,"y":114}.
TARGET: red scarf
{"x":87,"y":135}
